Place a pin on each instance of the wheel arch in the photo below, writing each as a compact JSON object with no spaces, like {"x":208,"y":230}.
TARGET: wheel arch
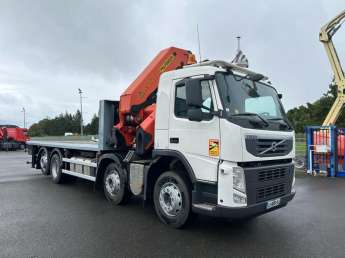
{"x":103,"y":162}
{"x":166,"y":160}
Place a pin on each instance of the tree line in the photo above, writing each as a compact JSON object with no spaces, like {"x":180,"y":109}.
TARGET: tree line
{"x":62,"y":124}
{"x":314,"y":113}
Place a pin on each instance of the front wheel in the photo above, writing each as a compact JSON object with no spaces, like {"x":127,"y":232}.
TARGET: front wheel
{"x":172,"y":199}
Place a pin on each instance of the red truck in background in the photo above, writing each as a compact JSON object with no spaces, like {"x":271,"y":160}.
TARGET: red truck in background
{"x":12,"y":137}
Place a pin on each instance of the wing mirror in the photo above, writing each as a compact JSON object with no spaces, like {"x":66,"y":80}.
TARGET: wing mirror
{"x":280,"y":96}
{"x":193,"y":93}
{"x":194,"y":99}
{"x":194,"y":114}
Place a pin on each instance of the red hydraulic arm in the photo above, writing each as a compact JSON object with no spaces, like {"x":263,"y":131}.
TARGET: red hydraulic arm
{"x":137,"y":103}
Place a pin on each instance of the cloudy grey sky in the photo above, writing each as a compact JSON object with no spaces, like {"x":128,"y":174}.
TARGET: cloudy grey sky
{"x":49,"y":49}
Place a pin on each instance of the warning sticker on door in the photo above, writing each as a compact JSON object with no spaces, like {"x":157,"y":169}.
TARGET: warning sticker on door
{"x":213,"y":147}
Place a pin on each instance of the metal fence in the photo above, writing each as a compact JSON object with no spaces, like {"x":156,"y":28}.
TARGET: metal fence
{"x":325,"y":150}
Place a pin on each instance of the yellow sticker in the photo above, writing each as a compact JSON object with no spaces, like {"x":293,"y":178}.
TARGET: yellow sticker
{"x":167,"y":62}
{"x":213,"y":147}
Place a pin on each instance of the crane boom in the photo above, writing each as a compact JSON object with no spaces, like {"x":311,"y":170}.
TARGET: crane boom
{"x":137,"y":103}
{"x":326,"y":34}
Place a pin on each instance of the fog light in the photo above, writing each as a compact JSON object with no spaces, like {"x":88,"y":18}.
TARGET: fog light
{"x":239,"y":199}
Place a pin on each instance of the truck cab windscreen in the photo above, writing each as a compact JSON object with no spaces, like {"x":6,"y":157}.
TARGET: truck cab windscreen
{"x":251,"y":104}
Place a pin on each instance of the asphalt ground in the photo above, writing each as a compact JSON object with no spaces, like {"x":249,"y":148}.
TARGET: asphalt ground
{"x":41,"y":219}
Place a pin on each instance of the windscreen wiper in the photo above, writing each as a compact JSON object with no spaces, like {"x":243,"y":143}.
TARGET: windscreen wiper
{"x":287,"y":123}
{"x":253,"y":114}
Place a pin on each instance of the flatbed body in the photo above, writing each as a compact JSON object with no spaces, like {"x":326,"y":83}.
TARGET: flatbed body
{"x":72,"y":145}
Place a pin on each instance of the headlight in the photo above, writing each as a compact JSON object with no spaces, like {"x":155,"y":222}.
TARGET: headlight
{"x":239,"y":182}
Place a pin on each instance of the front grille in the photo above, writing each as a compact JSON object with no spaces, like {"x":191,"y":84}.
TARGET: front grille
{"x":272,"y":174}
{"x":268,"y":182}
{"x":269,"y":192}
{"x":268,"y":147}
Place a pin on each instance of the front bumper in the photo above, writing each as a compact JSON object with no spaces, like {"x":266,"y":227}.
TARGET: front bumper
{"x":243,"y":212}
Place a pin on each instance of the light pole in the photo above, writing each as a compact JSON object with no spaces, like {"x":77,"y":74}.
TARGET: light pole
{"x":81,"y":112}
{"x":23,"y":110}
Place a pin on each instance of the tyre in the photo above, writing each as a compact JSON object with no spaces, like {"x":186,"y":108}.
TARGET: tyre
{"x":172,"y":199}
{"x":115,"y":184}
{"x":56,"y":169}
{"x":44,"y":161}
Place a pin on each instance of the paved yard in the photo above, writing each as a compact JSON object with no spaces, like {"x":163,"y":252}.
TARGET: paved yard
{"x":41,"y":219}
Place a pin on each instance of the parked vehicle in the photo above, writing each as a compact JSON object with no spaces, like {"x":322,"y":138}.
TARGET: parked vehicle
{"x":12,"y":137}
{"x":209,"y":138}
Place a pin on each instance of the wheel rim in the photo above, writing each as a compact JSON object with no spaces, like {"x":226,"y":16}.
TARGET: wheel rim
{"x":44,"y":160}
{"x":55,"y":168}
{"x":170,"y":199}
{"x":113,"y":182}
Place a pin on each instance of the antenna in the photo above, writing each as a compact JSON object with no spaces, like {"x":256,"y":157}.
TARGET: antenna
{"x":197,"y":31}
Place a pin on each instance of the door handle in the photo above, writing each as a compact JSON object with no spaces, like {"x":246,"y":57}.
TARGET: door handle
{"x":174,"y":140}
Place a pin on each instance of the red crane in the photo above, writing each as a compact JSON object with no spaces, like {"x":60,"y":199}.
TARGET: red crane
{"x":137,"y":103}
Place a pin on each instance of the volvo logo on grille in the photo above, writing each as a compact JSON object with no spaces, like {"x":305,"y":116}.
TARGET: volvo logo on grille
{"x":273,"y":147}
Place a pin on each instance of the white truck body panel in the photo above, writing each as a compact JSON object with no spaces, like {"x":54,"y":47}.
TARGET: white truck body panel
{"x":194,"y":141}
{"x":225,"y":181}
{"x":264,"y":134}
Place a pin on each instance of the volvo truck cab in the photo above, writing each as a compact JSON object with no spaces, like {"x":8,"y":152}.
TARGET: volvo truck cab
{"x":230,"y":126}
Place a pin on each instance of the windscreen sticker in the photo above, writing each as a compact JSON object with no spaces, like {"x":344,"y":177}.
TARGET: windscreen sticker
{"x":213,"y":147}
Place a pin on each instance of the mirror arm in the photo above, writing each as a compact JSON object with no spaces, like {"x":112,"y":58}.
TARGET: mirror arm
{"x":218,"y":113}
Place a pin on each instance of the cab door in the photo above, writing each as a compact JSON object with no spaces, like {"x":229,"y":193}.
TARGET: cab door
{"x":198,"y":141}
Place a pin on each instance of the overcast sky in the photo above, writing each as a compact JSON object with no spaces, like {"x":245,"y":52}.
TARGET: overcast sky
{"x":49,"y":49}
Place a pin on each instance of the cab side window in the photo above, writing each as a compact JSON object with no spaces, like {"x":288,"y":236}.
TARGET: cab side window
{"x":180,"y":101}
{"x":181,"y":107}
{"x":206,"y":97}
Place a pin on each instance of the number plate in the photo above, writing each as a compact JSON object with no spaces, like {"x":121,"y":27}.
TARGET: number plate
{"x":272,"y":203}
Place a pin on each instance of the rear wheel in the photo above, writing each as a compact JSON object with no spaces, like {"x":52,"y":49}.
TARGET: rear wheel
{"x":172,"y":199}
{"x":44,"y":161}
{"x":56,"y":169}
{"x":115,"y":184}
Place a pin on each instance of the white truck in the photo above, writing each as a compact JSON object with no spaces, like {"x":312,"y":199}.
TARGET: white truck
{"x":222,"y":146}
